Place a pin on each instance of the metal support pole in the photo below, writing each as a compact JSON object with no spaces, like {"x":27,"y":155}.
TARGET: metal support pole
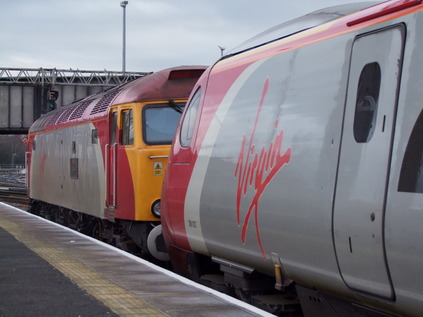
{"x":123,"y":4}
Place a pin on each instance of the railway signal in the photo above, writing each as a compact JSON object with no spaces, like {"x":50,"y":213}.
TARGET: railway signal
{"x":52,"y":96}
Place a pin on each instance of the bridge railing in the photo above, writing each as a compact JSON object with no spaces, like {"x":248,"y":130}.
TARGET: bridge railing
{"x":53,"y":76}
{"x":26,"y":92}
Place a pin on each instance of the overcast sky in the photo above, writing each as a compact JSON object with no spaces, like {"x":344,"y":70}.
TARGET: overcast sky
{"x":87,"y":34}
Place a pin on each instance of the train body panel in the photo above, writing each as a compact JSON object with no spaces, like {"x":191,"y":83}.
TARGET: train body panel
{"x":59,"y":157}
{"x":303,"y":154}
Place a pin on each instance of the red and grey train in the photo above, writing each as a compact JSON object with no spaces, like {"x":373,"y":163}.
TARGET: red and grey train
{"x":97,"y":164}
{"x":296,"y":168}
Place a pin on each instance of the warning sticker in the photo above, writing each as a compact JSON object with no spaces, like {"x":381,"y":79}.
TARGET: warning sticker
{"x":158,"y":167}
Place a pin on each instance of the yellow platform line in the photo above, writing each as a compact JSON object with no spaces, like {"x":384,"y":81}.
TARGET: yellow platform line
{"x":115,"y":297}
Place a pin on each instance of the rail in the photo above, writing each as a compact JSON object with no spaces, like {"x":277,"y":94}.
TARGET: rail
{"x":13,"y":177}
{"x":17,"y":196}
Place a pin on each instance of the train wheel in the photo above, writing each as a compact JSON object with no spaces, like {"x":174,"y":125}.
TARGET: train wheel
{"x":34,"y":207}
{"x":61,"y":217}
{"x":243,"y":295}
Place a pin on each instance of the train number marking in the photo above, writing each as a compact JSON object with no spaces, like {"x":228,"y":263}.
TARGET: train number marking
{"x":192,"y":223}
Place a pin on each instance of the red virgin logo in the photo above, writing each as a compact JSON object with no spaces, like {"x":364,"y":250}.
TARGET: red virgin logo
{"x":256,"y":169}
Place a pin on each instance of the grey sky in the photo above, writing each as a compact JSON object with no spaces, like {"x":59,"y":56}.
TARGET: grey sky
{"x":87,"y":34}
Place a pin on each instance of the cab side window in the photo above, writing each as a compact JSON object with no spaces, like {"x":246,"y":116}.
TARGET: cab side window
{"x":367,"y":103}
{"x":127,"y":127}
{"x":411,"y":177}
{"x":113,"y":128}
{"x":188,"y":123}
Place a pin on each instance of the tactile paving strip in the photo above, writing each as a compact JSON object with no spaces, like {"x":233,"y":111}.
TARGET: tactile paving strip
{"x":113,"y":296}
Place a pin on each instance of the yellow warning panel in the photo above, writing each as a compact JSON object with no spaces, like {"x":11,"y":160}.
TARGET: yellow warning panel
{"x":158,"y":168}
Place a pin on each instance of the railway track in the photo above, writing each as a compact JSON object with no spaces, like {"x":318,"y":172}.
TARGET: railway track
{"x":12,"y":188}
{"x":16,"y":196}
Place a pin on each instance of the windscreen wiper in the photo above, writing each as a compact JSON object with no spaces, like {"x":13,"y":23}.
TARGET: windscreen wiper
{"x":174,"y":106}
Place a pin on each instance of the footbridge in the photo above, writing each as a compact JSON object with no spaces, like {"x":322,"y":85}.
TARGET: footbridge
{"x":25,"y":94}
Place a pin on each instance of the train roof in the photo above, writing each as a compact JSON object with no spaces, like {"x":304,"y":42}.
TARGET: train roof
{"x":300,"y":24}
{"x":168,"y":84}
{"x":174,"y":83}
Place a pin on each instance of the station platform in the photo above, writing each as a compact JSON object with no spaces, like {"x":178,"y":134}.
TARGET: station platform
{"x":50,"y":270}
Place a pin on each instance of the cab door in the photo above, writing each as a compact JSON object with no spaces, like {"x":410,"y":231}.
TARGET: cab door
{"x":364,"y":163}
{"x":120,"y":187}
{"x":111,"y":164}
{"x":126,"y":162}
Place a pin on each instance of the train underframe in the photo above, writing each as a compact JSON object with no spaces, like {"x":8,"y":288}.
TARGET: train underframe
{"x":277,"y":296}
{"x":238,"y":281}
{"x":127,"y":235}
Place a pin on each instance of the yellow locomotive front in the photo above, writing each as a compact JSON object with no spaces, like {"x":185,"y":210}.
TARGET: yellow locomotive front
{"x":141,"y":134}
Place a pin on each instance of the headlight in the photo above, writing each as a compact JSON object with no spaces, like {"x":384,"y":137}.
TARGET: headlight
{"x":155,"y":208}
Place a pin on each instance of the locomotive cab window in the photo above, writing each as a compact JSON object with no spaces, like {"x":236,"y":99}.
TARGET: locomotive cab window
{"x":188,"y":123}
{"x":127,"y":127}
{"x":160,"y":122}
{"x":367,"y":103}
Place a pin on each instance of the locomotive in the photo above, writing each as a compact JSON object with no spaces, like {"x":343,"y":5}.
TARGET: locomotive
{"x":97,"y":164}
{"x":295,"y":173}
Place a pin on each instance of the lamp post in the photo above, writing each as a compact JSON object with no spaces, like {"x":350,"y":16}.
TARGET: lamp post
{"x":221,"y":50}
{"x":123,"y":4}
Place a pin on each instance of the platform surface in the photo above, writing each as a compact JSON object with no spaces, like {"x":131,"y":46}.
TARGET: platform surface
{"x":49,"y":270}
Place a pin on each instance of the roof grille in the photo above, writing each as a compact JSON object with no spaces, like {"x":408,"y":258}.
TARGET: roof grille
{"x":65,"y":114}
{"x":103,"y":104}
{"x":39,"y":124}
{"x":80,"y":109}
{"x":53,"y":118}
